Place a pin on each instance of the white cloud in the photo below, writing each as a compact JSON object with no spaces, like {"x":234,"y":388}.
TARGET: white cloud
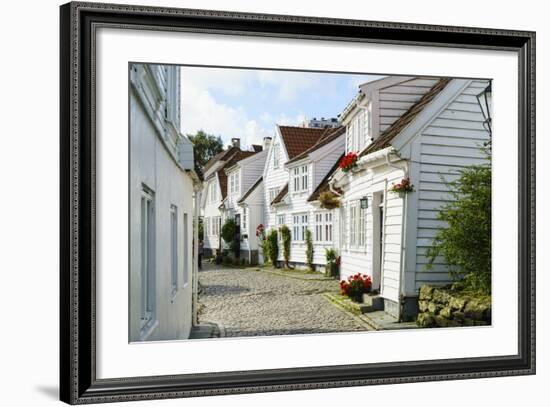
{"x":200,"y":111}
{"x":288,"y":85}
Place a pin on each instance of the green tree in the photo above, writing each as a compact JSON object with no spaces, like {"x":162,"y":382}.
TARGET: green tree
{"x":465,"y":242}
{"x":272,"y":246}
{"x":229,"y":232}
{"x":205,"y":146}
{"x":285,"y":235}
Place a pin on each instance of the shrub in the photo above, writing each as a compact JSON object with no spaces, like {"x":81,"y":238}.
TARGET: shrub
{"x":309,"y":250}
{"x":330,"y":255}
{"x":272,"y":246}
{"x":332,"y":265}
{"x":355,"y":286}
{"x":229,"y":232}
{"x":465,"y":243}
{"x":285,"y":235}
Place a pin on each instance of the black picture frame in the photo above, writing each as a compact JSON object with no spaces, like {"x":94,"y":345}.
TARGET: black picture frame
{"x":78,"y":382}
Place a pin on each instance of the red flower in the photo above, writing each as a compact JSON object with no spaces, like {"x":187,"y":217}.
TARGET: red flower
{"x":348,"y":161}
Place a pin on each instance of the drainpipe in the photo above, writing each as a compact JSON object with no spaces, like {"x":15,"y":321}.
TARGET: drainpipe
{"x":405,"y":170}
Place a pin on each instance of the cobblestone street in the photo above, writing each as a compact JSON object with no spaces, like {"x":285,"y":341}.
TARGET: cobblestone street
{"x":250,"y":302}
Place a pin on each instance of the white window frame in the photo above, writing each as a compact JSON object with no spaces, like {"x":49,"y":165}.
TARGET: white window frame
{"x":319,"y":227}
{"x":299,"y":226}
{"x":185,"y":249}
{"x":296,"y":179}
{"x":305,"y":177}
{"x":328,"y":227}
{"x":148,"y":272}
{"x":276,"y":154}
{"x":361,"y":227}
{"x":243,"y":221}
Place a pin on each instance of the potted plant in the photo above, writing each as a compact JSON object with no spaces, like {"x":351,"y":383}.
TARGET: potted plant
{"x":328,"y":200}
{"x":355,"y":286}
{"x":348,"y":162}
{"x":402,"y":187}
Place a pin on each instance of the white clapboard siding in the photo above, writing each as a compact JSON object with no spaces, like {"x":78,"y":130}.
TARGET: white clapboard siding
{"x":274,"y":178}
{"x":360,"y":259}
{"x":453,"y":140}
{"x":211,"y":211}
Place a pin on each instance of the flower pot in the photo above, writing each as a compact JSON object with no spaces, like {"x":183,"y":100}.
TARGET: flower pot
{"x":401,"y":194}
{"x":357,"y":297}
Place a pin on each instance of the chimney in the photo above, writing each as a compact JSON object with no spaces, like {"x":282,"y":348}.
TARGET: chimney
{"x":266,"y":143}
{"x":236,"y":142}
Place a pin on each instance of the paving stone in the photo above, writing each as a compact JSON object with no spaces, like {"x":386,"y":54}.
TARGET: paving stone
{"x":248,"y":302}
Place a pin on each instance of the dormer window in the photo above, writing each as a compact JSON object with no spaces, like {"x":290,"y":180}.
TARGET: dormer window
{"x":300,"y":178}
{"x":234,"y":183}
{"x":358,"y":131}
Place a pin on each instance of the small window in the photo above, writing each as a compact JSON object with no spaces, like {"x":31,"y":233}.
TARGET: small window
{"x":148,"y":297}
{"x":304,"y":177}
{"x":299,"y":226}
{"x":275,"y":156}
{"x":296,"y":178}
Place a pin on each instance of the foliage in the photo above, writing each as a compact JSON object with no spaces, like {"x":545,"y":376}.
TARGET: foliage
{"x":205,"y":146}
{"x":355,"y":286}
{"x":330,"y":254}
{"x":285,"y":235}
{"x":229,"y":232}
{"x":328,"y":200}
{"x":348,"y":162}
{"x":465,"y":242}
{"x":271,"y":247}
{"x":403,"y":186}
{"x":309,"y":250}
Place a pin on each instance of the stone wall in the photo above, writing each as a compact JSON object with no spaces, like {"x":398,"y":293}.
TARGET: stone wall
{"x":443,"y":307}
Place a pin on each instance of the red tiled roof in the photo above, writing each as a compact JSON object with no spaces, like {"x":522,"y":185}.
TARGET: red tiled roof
{"x":299,"y":139}
{"x":391,"y":132}
{"x":328,"y":135}
{"x":323,"y":185}
{"x":282,"y":193}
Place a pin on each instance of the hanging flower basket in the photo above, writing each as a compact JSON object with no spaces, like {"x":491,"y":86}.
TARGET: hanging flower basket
{"x":328,"y":200}
{"x":403,"y":187}
{"x":348,"y":162}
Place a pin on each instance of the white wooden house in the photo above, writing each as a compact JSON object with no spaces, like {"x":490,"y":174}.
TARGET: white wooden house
{"x":227,"y":176}
{"x":163,"y":184}
{"x":213,"y":195}
{"x":305,"y":157}
{"x":421,"y":128}
{"x":244,"y":200}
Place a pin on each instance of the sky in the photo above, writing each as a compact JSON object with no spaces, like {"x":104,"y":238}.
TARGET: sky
{"x":248,"y":103}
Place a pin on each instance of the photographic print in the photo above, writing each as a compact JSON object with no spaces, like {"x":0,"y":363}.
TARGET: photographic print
{"x":270,"y":202}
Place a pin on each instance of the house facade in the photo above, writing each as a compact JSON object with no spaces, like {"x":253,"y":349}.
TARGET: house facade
{"x":299,"y":161}
{"x":226,"y":179}
{"x":163,"y":184}
{"x":424,"y":129}
{"x":244,"y":203}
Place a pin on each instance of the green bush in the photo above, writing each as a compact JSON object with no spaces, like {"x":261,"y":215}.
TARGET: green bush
{"x":271,"y":247}
{"x":309,"y":250}
{"x":465,"y":243}
{"x":229,"y":231}
{"x":330,"y":255}
{"x":285,"y":235}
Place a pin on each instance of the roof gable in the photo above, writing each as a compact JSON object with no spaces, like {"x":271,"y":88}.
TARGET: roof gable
{"x":385,"y":139}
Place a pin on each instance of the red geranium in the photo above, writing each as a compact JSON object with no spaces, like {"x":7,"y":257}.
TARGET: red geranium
{"x":403,"y":186}
{"x":348,"y":162}
{"x":260,"y":230}
{"x":355,"y":286}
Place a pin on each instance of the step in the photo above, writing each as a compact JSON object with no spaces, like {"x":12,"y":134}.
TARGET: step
{"x":371,"y":303}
